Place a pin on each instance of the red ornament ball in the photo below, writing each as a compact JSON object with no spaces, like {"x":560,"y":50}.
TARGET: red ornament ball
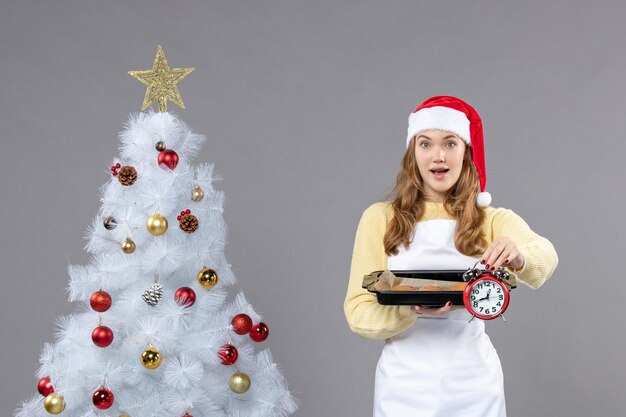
{"x":44,"y":386}
{"x":185,"y":296}
{"x":169,"y":158}
{"x":228,"y":354}
{"x":102,"y":336}
{"x":242,"y":323}
{"x":103,"y":398}
{"x":100,"y":301}
{"x":259,"y":332}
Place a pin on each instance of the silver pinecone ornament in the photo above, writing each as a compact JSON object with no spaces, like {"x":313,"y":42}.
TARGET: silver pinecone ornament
{"x":153,"y":294}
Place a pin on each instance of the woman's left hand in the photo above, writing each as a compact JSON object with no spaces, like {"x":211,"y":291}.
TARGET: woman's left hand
{"x":502,"y":251}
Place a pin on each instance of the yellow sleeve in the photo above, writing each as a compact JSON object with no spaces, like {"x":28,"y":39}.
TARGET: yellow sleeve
{"x":540,"y":258}
{"x":365,"y":316}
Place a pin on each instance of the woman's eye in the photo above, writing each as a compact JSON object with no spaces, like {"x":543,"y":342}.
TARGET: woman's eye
{"x":424,"y":145}
{"x":450,"y":145}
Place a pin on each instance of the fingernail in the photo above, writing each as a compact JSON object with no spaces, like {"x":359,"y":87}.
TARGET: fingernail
{"x":487,"y":266}
{"x":482,"y":261}
{"x":506,"y":262}
{"x":493,"y":268}
{"x":449,"y":303}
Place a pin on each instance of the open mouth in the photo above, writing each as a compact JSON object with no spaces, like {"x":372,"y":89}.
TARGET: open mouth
{"x":439,"y":173}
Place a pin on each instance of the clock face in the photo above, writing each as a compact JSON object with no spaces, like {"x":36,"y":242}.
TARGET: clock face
{"x":486,"y":297}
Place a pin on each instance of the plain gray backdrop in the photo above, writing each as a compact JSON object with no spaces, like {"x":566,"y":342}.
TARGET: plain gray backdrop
{"x":305,"y":105}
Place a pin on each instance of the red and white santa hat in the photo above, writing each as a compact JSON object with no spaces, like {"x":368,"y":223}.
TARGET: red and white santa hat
{"x":453,"y":115}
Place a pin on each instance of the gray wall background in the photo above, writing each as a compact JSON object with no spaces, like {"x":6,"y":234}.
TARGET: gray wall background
{"x":305,"y":105}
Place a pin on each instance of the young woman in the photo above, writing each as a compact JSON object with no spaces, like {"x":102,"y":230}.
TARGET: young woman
{"x":435,"y":362}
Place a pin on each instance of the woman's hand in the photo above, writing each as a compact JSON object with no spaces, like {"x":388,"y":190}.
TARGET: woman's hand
{"x":434,"y":311}
{"x":502,"y":251}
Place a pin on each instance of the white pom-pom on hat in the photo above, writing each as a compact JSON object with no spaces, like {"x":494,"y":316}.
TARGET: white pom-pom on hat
{"x":483,"y":199}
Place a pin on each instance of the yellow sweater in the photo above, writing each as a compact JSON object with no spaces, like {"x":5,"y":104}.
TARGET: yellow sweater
{"x":371,"y":320}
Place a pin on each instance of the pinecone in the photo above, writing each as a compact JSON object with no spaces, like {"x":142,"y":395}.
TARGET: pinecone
{"x":153,"y":294}
{"x":188,"y":223}
{"x":127,"y":175}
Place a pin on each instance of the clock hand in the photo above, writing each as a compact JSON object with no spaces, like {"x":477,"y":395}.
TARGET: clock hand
{"x":486,"y":297}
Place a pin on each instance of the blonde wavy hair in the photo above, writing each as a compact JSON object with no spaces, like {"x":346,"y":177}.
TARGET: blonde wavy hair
{"x":460,"y":203}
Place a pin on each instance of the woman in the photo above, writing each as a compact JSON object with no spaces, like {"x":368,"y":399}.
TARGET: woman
{"x":436,"y":362}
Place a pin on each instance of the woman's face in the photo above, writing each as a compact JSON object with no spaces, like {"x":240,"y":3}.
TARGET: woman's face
{"x":439,"y":156}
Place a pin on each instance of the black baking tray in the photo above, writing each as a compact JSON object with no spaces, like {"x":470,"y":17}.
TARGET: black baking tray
{"x":423,"y":298}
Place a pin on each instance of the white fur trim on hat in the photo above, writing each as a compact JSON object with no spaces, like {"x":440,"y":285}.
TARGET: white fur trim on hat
{"x":439,"y":117}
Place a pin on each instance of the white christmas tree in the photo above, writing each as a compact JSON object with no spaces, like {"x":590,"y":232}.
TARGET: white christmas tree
{"x":155,"y":334}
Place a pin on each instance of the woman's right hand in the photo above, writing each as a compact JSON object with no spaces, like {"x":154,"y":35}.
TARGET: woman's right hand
{"x":434,"y":311}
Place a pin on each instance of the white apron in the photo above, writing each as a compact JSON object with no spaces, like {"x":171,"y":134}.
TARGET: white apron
{"x":442,"y":366}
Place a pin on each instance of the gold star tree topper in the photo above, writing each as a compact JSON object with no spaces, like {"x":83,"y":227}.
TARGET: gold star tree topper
{"x":161,"y":81}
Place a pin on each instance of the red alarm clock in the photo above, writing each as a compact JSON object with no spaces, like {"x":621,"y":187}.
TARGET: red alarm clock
{"x":486,"y":295}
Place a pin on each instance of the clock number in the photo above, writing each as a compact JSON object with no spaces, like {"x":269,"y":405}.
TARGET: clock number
{"x":475,"y":291}
{"x":499,"y":290}
{"x":500,"y":297}
{"x":475,"y":303}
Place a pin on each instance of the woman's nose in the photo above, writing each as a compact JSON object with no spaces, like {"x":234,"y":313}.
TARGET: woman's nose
{"x":440,"y":155}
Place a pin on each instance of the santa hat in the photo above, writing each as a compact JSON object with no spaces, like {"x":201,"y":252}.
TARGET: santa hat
{"x":456,"y":116}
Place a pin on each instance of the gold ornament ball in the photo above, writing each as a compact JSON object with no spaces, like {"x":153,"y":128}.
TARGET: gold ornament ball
{"x":207,"y":278}
{"x":54,"y":403}
{"x":160,"y":146}
{"x":128,"y":246}
{"x":151,"y":358}
{"x":157,"y":225}
{"x":239,"y":382}
{"x":197,"y":194}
